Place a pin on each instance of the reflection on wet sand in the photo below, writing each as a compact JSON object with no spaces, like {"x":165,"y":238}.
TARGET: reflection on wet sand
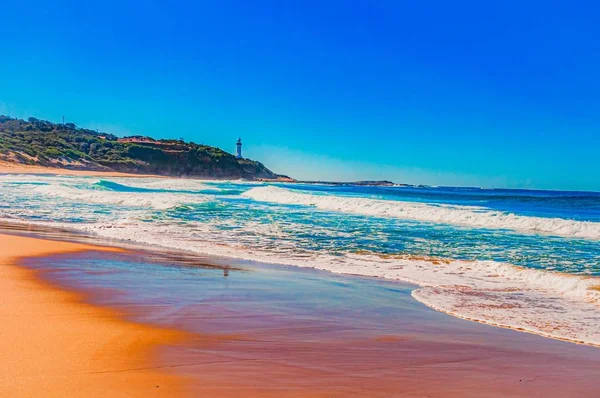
{"x":270,"y":331}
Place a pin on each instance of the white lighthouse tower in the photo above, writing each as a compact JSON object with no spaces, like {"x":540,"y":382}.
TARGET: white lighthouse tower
{"x":238,"y":152}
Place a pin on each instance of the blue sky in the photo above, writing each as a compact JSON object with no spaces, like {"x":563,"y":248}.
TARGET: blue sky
{"x":435,"y":92}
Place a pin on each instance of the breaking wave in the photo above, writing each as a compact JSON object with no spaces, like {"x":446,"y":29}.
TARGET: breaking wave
{"x":162,"y":185}
{"x":155,"y":200}
{"x":167,"y":184}
{"x":470,"y":216}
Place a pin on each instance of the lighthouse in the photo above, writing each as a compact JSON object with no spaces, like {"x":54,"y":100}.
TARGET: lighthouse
{"x":238,"y":152}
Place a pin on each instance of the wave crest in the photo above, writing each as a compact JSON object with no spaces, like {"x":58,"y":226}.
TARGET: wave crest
{"x":167,"y":184}
{"x":470,"y":216}
{"x":155,"y":200}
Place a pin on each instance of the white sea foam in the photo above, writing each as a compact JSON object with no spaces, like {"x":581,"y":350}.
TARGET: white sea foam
{"x":444,"y":214}
{"x":527,"y":310}
{"x":551,"y":304}
{"x":133,"y":199}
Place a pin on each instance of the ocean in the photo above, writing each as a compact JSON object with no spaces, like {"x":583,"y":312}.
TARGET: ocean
{"x":522,"y":259}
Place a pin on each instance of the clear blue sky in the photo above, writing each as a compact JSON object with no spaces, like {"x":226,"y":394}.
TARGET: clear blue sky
{"x":502,"y":93}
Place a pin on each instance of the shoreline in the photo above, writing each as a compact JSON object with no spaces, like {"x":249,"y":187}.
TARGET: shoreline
{"x":53,"y":343}
{"x":222,"y":261}
{"x":257,"y":353}
{"x":276,"y":331}
{"x":502,"y":326}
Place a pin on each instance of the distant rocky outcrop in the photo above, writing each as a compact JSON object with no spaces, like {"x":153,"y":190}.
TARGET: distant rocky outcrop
{"x":382,"y":183}
{"x":43,"y":143}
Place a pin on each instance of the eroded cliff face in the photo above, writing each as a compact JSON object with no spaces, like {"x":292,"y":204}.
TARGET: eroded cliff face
{"x":39,"y":142}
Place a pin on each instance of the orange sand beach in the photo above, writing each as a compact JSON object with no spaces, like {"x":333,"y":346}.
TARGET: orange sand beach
{"x":52,"y":344}
{"x":15,"y":168}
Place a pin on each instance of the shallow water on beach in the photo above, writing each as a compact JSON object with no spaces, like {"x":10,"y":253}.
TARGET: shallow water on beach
{"x":272,"y":331}
{"x":513,"y":258}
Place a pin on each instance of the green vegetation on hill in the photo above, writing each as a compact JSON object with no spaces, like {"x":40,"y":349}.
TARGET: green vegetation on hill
{"x":39,"y":142}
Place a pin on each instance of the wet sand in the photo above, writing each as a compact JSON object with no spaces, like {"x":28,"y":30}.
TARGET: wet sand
{"x":52,"y":344}
{"x":268,"y":331}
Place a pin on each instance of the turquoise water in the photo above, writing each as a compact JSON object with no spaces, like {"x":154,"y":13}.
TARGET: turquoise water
{"x":476,"y":238}
{"x":302,"y":230}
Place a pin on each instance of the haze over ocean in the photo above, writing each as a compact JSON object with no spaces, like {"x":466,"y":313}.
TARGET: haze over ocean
{"x":460,"y":93}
